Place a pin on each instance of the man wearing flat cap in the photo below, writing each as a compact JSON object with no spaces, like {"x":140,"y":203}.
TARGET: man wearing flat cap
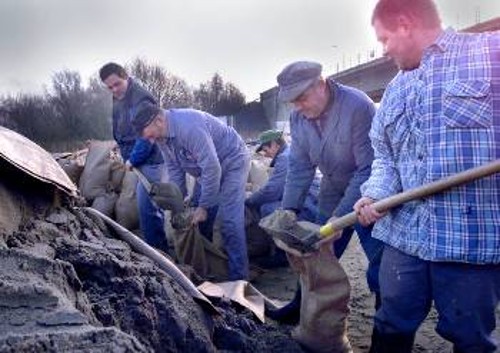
{"x":198,"y":143}
{"x":329,"y":126}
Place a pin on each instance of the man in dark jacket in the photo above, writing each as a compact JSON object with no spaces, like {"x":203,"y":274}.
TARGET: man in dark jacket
{"x":127,"y":95}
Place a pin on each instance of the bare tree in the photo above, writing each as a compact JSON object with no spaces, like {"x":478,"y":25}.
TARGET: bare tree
{"x":219,"y":98}
{"x":32,"y":116}
{"x":170,"y":90}
{"x":98,"y":110}
{"x":68,"y":99}
{"x":177,"y":93}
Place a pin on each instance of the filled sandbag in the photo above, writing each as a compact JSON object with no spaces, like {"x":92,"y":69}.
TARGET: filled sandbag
{"x":73,"y":169}
{"x":94,"y":180}
{"x":324,"y":283}
{"x":117,"y":173}
{"x":72,"y":163}
{"x":126,"y":210}
{"x":324,"y":304}
{"x":106,"y":203}
{"x":258,"y":174}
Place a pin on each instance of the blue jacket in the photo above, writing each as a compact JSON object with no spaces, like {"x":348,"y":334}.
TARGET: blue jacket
{"x":123,"y":112}
{"x":341,"y":149}
{"x":201,"y":145}
{"x":141,"y":151}
{"x":273,"y":189}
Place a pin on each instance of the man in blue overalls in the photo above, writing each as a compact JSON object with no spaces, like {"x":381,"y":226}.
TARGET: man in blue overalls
{"x":198,"y":143}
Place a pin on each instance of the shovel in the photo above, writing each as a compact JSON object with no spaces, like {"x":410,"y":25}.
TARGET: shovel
{"x":312,"y":240}
{"x":167,"y":196}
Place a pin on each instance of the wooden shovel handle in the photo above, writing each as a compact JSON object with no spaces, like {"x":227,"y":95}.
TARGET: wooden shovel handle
{"x":414,"y":194}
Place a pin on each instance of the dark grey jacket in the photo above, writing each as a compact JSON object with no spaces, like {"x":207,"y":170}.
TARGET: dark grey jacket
{"x":341,"y":149}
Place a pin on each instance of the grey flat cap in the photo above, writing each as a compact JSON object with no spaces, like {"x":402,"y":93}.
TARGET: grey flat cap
{"x":296,"y":77}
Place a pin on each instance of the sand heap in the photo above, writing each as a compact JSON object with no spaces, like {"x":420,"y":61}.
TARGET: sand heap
{"x":67,"y":284}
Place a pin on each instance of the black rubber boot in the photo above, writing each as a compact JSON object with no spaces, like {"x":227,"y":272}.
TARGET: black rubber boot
{"x":290,"y":313}
{"x":391,"y":342}
{"x":278,"y":259}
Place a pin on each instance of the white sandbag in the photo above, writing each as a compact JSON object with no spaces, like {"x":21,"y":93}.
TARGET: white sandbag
{"x":258,"y":174}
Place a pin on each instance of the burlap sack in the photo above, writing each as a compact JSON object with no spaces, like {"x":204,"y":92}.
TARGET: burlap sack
{"x":258,"y":174}
{"x":117,"y":174}
{"x":324,"y":304}
{"x":126,"y":211}
{"x":325,"y":288}
{"x":106,"y":203}
{"x":94,"y":180}
{"x":73,"y":169}
{"x":192,"y":248}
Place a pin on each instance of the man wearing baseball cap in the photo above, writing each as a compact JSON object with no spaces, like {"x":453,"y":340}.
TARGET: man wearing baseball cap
{"x":268,"y":198}
{"x":329,"y":126}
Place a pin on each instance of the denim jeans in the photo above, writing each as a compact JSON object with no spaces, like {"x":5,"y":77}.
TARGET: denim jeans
{"x":151,"y":218}
{"x":465,"y":297}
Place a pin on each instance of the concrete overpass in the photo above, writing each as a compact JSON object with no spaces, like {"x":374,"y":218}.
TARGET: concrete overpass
{"x":371,"y":77}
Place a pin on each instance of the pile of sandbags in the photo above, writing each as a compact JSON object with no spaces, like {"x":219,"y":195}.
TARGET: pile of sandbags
{"x":72,"y":163}
{"x":104,"y":182}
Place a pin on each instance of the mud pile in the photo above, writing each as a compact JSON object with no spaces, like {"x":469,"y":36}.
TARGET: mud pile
{"x":67,"y":284}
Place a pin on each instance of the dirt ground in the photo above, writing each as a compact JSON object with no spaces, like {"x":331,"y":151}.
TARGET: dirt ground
{"x":280,"y":284}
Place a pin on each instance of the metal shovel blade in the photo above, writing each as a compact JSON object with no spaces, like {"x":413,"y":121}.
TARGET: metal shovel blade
{"x":167,"y":196}
{"x":296,"y":235}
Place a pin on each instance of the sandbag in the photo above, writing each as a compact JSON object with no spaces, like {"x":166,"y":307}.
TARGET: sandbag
{"x":258,"y":174}
{"x":73,"y":169}
{"x":324,"y":303}
{"x":126,"y":210}
{"x":95,"y":176}
{"x":106,"y":203}
{"x":325,"y":289}
{"x":117,"y":174}
{"x":192,"y":248}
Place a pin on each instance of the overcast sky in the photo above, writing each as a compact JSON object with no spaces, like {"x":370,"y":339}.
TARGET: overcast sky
{"x":246,"y":41}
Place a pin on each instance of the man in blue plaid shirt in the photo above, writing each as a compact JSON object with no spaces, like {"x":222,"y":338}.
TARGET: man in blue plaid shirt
{"x":439,"y":116}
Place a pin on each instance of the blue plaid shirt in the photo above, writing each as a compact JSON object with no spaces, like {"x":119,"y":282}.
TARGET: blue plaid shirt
{"x":435,"y":121}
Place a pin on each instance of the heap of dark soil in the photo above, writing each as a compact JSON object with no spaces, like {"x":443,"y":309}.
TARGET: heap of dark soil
{"x":67,"y":284}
